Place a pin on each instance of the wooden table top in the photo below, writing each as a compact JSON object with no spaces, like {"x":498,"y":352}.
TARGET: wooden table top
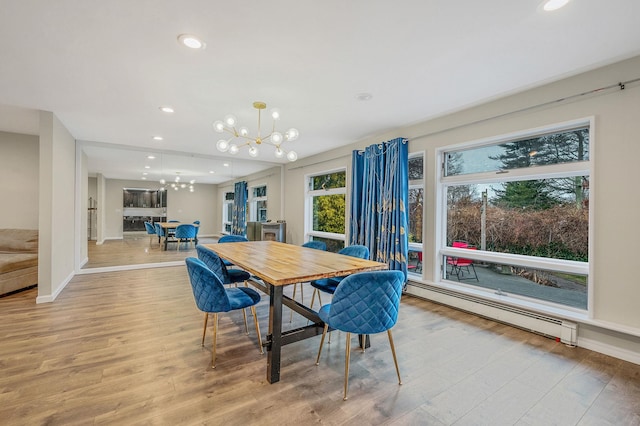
{"x":281,"y":264}
{"x":175,"y":224}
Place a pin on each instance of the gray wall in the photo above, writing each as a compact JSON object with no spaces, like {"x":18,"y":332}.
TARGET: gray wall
{"x":19,"y":173}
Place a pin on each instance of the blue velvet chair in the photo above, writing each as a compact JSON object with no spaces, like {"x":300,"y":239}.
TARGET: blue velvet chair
{"x":317,"y":245}
{"x":328,"y":285}
{"x":212,"y":297}
{"x":364,"y":303}
{"x":231,"y":239}
{"x":151,"y":231}
{"x":159,"y":231}
{"x":185,"y":232}
{"x":227,"y":276}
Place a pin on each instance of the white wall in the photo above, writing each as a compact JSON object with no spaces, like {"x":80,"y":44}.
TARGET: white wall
{"x":57,"y":231}
{"x":613,"y":325}
{"x":20,"y":174}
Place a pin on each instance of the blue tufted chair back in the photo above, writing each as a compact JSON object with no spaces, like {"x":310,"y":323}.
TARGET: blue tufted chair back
{"x":366,"y":302}
{"x":208,"y":291}
{"x":159,"y":229}
{"x":151,"y":230}
{"x":356,"y":251}
{"x":318,"y":245}
{"x":214,"y":263}
{"x":185,"y":230}
{"x":232,"y":239}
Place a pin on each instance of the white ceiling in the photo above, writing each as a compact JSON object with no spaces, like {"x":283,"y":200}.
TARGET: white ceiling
{"x":105,"y":67}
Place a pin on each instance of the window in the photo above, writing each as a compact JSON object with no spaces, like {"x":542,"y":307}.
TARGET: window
{"x":517,"y":215}
{"x":258,"y":204}
{"x":227,"y":211}
{"x":416,"y":209}
{"x":325,"y":209}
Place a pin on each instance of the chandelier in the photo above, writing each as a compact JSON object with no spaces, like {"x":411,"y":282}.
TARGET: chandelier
{"x":176,"y":184}
{"x":274,"y":138}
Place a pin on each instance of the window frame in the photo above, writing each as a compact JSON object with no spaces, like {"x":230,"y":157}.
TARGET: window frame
{"x":309,"y":196}
{"x":419,"y":184}
{"x":225,"y":219}
{"x":578,"y":168}
{"x":253,"y":202}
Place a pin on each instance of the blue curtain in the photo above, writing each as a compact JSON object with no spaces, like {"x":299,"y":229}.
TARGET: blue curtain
{"x":379,"y":200}
{"x":239,"y":219}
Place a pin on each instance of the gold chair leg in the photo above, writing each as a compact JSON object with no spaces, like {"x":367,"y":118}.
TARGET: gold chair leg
{"x":324,"y":333}
{"x":395,"y":359}
{"x":244,"y":314}
{"x":215,"y":337}
{"x":346,"y":365}
{"x":255,"y":320}
{"x":204,"y":331}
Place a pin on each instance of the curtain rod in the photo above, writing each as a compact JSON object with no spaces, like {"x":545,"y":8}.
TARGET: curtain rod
{"x":620,"y":85}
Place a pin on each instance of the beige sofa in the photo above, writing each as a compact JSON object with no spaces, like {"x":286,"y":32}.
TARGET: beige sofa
{"x":18,"y":259}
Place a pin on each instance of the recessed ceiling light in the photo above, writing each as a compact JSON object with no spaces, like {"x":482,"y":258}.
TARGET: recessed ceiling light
{"x":144,"y":178}
{"x":191,"y":41}
{"x":211,"y":171}
{"x":151,"y":157}
{"x":166,"y":109}
{"x":147,"y":167}
{"x":226,"y":164}
{"x":551,"y":5}
{"x":364,"y":96}
{"x":158,"y":138}
{"x":145,"y":173}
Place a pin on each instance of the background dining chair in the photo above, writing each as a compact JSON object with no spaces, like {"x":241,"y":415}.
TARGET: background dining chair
{"x":185,"y":232}
{"x":457,"y":263}
{"x":231,"y":239}
{"x":151,"y":231}
{"x":211,"y":296}
{"x":159,"y":231}
{"x":314,"y":244}
{"x":364,"y":303}
{"x":197,"y":223}
{"x":227,"y":276}
{"x":328,"y":285}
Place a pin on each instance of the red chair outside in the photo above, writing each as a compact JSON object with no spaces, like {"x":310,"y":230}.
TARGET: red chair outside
{"x":457,"y":263}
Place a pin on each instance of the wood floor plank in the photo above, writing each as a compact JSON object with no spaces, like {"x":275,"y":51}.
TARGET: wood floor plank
{"x":124,"y":348}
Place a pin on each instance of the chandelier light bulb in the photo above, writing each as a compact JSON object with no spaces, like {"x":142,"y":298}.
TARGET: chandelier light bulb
{"x":162,"y":181}
{"x":243,"y":131}
{"x":222,"y":145}
{"x":191,"y":189}
{"x":279,"y":153}
{"x":276,"y":137}
{"x":275,"y":114}
{"x":192,"y":181}
{"x":292,"y":156}
{"x":218,"y":126}
{"x":292,"y":134}
{"x":176,"y":187}
{"x":233,"y":149}
{"x":253,"y":151}
{"x":230,"y":120}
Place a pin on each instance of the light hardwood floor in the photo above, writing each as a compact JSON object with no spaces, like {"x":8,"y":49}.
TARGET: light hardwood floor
{"x":124,"y":348}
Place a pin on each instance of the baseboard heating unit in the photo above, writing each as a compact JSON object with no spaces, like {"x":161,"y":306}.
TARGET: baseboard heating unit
{"x":555,"y":328}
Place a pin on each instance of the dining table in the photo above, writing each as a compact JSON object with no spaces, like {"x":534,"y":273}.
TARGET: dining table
{"x":274,"y":265}
{"x":166,"y":226}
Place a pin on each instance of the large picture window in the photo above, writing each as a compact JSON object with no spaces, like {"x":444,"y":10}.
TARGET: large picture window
{"x":517,"y":215}
{"x":326,"y":209}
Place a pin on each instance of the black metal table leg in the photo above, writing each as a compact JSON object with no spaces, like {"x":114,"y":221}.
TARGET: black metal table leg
{"x":274,"y":348}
